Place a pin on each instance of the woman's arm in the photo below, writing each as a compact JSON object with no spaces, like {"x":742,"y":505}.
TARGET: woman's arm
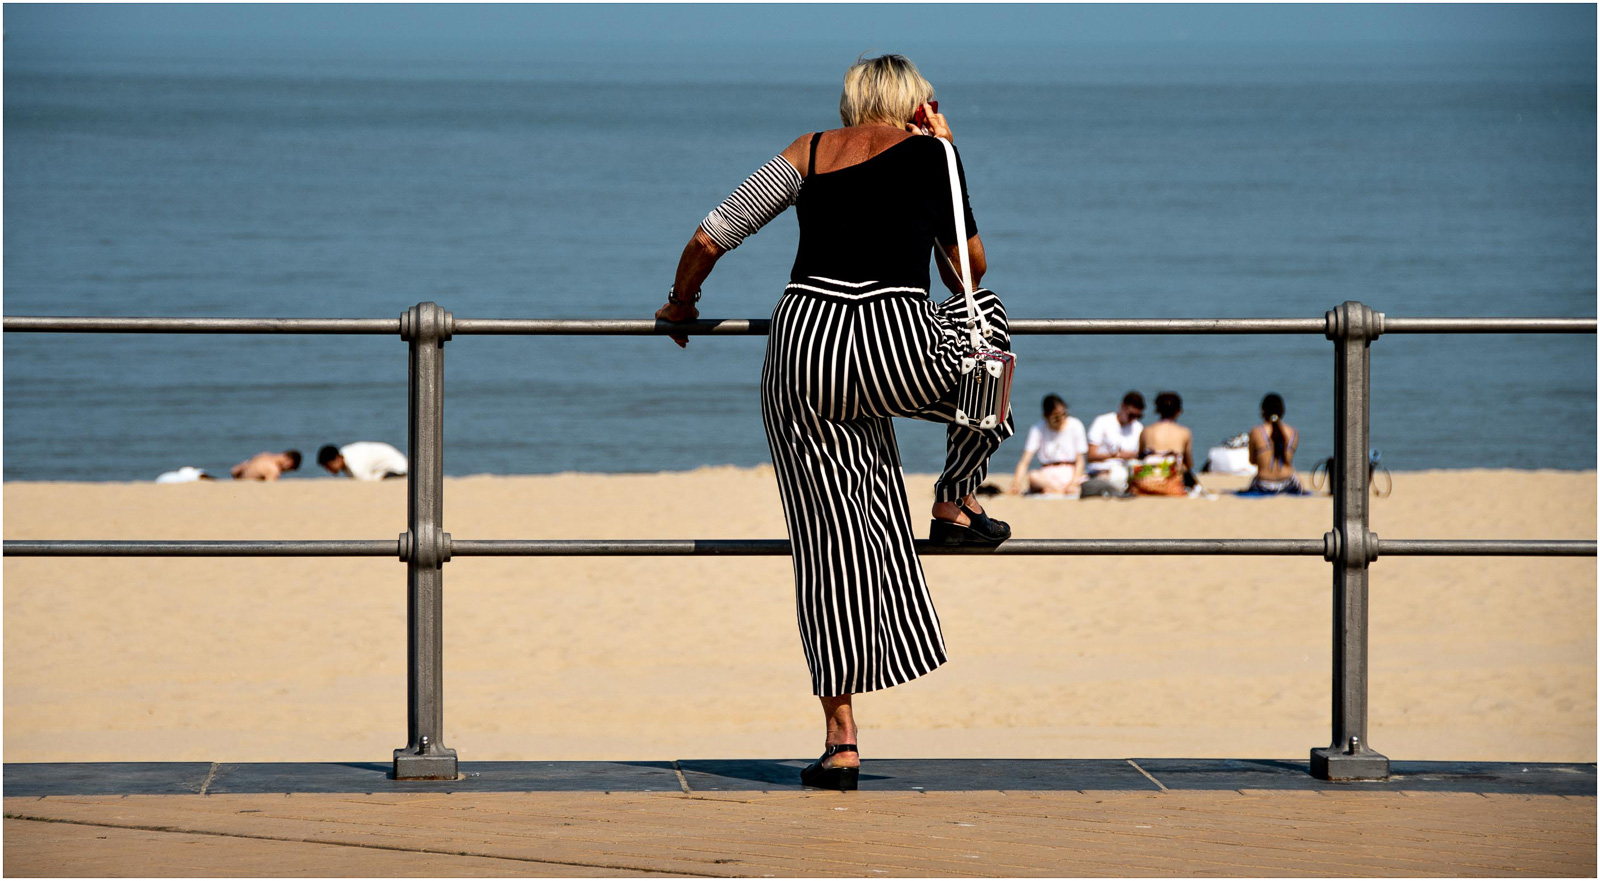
{"x":763,"y":196}
{"x":699,"y":256}
{"x":952,"y":259}
{"x":1258,"y":447}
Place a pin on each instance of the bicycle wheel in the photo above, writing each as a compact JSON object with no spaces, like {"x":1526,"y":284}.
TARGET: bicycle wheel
{"x":1382,"y":482}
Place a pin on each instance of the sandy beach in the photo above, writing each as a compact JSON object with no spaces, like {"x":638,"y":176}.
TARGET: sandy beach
{"x":303,"y":659}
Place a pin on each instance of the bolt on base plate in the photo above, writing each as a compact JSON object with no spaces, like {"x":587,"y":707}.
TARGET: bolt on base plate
{"x":1331,"y":763}
{"x":437,"y":764}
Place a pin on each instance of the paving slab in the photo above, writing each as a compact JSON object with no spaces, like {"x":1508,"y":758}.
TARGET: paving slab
{"x":1542,"y":778}
{"x":1539,"y":778}
{"x":370,"y":777}
{"x":104,"y":778}
{"x":924,"y":775}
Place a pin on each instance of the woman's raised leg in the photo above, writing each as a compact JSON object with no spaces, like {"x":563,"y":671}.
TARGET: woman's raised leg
{"x":967,"y":450}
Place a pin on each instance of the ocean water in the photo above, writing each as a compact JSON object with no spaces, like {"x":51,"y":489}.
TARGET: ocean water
{"x":1198,"y":186}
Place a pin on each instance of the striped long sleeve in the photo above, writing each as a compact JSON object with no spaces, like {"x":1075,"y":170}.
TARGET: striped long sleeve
{"x":761,"y":197}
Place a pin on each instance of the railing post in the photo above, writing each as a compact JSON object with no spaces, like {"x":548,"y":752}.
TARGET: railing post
{"x":1351,"y":547}
{"x":426,"y":548}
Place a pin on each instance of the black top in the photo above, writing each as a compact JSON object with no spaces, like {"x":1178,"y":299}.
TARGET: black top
{"x":877,"y":220}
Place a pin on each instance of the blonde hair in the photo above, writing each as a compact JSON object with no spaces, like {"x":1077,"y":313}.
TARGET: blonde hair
{"x":886,"y":89}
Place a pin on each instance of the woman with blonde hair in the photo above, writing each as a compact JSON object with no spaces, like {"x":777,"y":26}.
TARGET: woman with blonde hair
{"x":854,"y":341}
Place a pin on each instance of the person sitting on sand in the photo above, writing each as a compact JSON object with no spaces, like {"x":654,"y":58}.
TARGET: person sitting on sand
{"x":363,"y":460}
{"x":1113,"y":443}
{"x":266,"y":466}
{"x":1167,"y":449}
{"x":1272,"y":445}
{"x":1061,"y":444}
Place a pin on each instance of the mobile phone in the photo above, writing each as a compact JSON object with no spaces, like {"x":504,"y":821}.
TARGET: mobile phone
{"x":920,"y":118}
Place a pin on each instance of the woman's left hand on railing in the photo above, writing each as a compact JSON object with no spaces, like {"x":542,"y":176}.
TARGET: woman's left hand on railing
{"x":678,"y":314}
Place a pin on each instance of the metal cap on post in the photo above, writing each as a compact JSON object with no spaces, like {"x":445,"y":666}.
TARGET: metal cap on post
{"x":1351,"y":547}
{"x":425,"y":547}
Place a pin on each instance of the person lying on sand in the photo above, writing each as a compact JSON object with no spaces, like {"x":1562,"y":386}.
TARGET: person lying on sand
{"x":363,"y":460}
{"x":266,"y":466}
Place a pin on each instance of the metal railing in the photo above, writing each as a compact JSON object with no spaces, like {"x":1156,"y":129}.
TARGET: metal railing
{"x":1350,"y":546}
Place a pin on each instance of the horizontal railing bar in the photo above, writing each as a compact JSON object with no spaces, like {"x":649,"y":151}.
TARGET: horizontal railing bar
{"x":637,"y":548}
{"x":609,"y":327}
{"x":1488,"y":325}
{"x":382,"y":548}
{"x":756,"y":326}
{"x":1429,"y":547}
{"x":761,"y":326}
{"x":780,"y":547}
{"x":63,"y":324}
{"x":777,"y":547}
{"x":1090,"y":326}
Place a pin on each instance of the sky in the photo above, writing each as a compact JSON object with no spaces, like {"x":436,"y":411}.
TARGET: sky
{"x":73,"y":28}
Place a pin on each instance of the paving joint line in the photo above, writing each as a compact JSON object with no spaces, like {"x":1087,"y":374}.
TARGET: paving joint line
{"x":388,"y":847}
{"x":1148,"y":776}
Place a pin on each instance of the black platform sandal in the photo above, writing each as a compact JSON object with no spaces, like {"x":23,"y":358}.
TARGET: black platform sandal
{"x":983,"y":530}
{"x":842,"y":779}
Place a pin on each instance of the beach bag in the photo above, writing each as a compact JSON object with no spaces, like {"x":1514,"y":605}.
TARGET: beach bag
{"x":1156,"y":476}
{"x":983,"y":393}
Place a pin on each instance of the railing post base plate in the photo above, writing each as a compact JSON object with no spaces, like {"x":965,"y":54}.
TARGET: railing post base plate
{"x":1332,"y":763}
{"x":440,"y":764}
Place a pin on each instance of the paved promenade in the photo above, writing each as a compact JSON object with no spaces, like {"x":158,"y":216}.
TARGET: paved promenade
{"x":728,"y":819}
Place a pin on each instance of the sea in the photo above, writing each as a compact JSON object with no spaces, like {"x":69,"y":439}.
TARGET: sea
{"x":563,"y":183}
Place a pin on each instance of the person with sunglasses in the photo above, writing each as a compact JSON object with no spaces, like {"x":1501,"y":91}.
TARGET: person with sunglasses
{"x":1060,"y":443}
{"x":1113,"y":443}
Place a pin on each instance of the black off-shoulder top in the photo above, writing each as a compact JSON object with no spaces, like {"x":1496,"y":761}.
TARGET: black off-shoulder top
{"x":877,"y":220}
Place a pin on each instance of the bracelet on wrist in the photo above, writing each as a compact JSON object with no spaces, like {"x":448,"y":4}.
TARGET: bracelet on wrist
{"x":672,"y":297}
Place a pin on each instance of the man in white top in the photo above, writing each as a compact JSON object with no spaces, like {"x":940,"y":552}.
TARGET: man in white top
{"x":1061,"y":444}
{"x":1113,"y":443}
{"x":363,"y":460}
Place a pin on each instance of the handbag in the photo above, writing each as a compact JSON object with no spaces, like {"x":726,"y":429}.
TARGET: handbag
{"x":983,"y":391}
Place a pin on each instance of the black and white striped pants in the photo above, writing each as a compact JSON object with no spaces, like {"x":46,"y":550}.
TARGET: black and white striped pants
{"x":843,"y":358}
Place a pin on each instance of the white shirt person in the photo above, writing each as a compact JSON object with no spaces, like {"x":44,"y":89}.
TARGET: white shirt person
{"x":1114,"y":442}
{"x":1060,"y":443}
{"x":363,"y":460}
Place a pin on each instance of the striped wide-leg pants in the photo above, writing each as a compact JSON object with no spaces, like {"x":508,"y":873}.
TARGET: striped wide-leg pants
{"x":842,"y":359}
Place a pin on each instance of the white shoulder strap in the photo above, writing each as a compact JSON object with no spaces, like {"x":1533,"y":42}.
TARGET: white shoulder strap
{"x":977,"y":319}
